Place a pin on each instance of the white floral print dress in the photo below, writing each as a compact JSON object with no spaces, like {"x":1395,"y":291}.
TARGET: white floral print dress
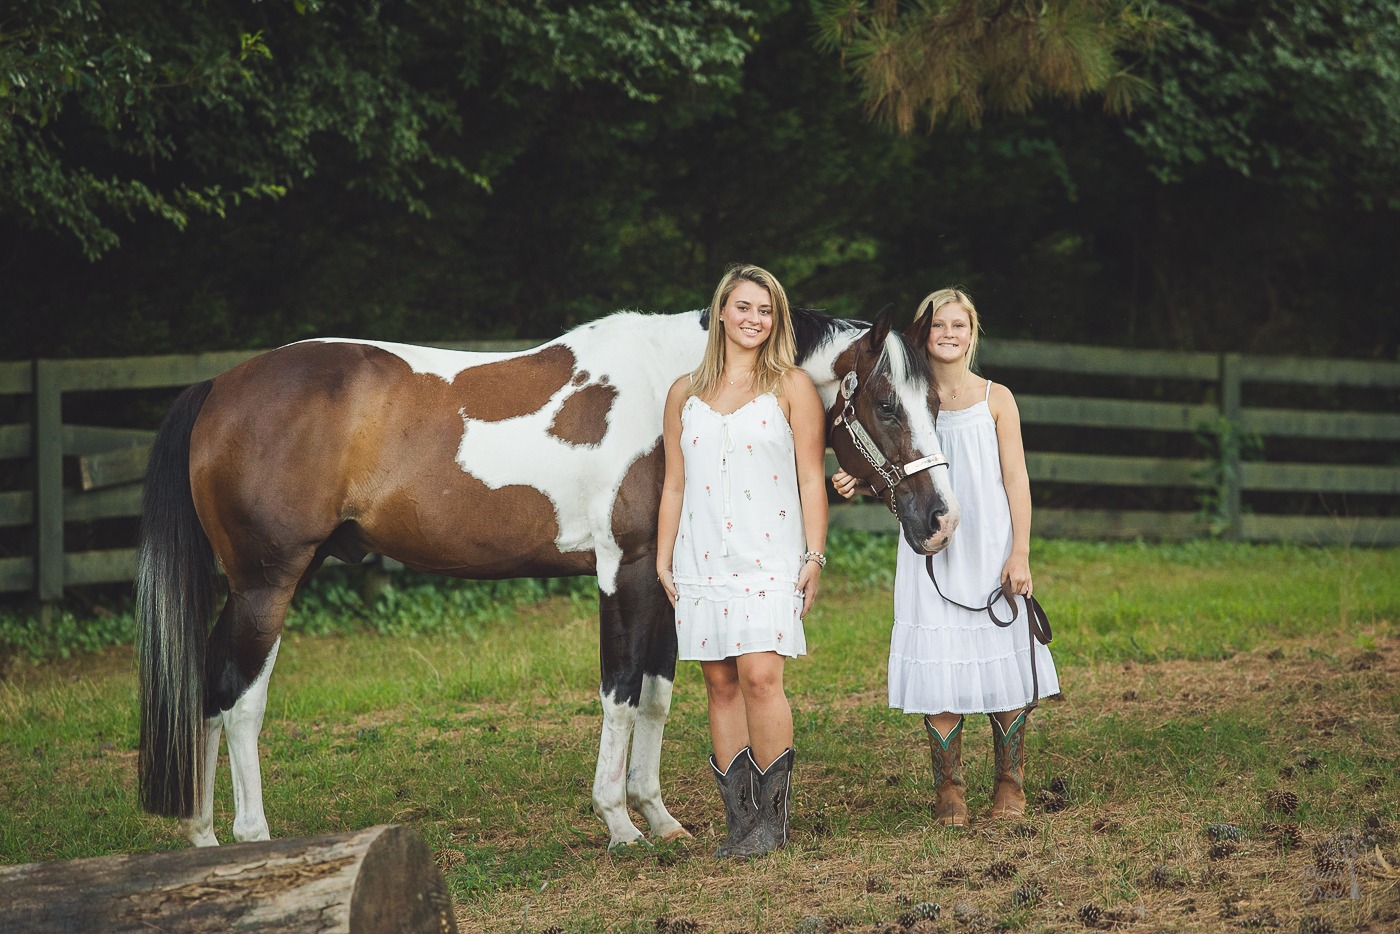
{"x":740,"y":543}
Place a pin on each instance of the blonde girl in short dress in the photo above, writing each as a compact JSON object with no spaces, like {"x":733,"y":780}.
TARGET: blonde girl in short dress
{"x":742,"y":529}
{"x":946,"y":661}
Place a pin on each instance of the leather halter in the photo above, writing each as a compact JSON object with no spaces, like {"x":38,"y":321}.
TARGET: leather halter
{"x":891,"y":474}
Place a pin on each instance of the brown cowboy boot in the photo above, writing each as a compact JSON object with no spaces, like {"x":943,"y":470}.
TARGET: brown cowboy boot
{"x":949,"y":802}
{"x":1009,"y":796}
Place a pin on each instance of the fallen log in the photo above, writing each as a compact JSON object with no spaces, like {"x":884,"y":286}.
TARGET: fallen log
{"x":378,"y":880}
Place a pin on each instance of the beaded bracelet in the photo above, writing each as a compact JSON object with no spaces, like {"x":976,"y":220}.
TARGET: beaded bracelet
{"x":816,"y":556}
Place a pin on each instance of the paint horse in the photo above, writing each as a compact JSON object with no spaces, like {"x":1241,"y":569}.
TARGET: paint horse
{"x":542,"y":463}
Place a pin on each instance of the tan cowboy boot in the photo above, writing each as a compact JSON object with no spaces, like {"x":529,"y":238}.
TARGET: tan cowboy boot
{"x":949,"y":802}
{"x":1009,"y":796}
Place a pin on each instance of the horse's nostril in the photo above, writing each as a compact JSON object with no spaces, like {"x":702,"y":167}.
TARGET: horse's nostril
{"x":935,"y":518}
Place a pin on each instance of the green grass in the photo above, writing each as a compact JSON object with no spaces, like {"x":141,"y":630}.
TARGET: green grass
{"x":1198,"y":679}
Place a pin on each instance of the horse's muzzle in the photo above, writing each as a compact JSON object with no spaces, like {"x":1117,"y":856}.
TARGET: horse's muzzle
{"x":943,"y":526}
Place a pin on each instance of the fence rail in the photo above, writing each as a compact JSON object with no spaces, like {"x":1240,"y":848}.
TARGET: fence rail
{"x":107,"y":463}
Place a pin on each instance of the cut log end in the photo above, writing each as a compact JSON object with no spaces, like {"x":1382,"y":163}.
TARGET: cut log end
{"x":371,"y":881}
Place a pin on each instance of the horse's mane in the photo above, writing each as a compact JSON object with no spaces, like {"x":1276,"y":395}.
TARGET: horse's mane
{"x":812,"y":329}
{"x":815,"y":329}
{"x":916,"y":363}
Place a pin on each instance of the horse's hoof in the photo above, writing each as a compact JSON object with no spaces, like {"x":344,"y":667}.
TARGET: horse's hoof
{"x":680,"y":833}
{"x":623,"y":845}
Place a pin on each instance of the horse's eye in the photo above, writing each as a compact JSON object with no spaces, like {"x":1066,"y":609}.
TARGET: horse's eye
{"x":887,"y":408}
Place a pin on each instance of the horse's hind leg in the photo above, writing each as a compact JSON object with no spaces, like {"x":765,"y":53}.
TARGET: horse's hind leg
{"x":242,"y":652}
{"x":199,"y":829}
{"x":243,"y":722}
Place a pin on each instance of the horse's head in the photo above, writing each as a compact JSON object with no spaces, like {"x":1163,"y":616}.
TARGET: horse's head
{"x":881,"y":429}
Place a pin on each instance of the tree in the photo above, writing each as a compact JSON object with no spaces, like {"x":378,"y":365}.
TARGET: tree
{"x":1302,"y":95}
{"x":126,"y":109}
{"x":958,"y":59}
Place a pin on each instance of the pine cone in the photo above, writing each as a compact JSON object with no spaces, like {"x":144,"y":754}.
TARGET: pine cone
{"x":1090,"y":914}
{"x":1218,"y":832}
{"x":1028,"y":895}
{"x":1164,"y":877}
{"x":927,"y":911}
{"x":1311,"y":925}
{"x":1222,"y":850}
{"x":1285,"y":802}
{"x":1285,"y":835}
{"x":1001,"y":869}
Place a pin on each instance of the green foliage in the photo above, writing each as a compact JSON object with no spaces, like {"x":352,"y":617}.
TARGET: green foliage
{"x":127,"y":108}
{"x":65,"y":633}
{"x":413,"y":604}
{"x":1303,"y":95}
{"x":1226,"y":445}
{"x":432,"y":171}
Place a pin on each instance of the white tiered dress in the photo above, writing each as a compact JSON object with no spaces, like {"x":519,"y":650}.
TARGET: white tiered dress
{"x":944,"y":658}
{"x":740,"y":542}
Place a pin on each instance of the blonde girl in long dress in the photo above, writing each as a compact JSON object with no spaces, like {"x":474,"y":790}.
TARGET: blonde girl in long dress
{"x":946,"y":661}
{"x":742,"y":530}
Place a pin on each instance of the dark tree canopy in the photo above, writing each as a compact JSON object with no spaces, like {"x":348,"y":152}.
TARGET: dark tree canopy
{"x":130,"y":108}
{"x":1198,"y":174}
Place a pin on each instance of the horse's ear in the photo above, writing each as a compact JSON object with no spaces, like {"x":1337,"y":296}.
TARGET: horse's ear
{"x":875,"y":339}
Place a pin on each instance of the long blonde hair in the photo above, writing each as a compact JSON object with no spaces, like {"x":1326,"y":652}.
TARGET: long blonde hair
{"x":777,"y":355}
{"x":923,"y":321}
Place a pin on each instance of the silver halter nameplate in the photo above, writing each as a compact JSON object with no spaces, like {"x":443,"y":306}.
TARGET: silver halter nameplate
{"x":891,"y":474}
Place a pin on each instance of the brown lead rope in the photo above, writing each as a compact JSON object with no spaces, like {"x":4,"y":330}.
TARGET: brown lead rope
{"x":1037,"y":623}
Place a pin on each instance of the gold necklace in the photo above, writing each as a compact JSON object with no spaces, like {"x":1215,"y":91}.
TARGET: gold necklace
{"x":736,"y":379}
{"x":953,"y":396}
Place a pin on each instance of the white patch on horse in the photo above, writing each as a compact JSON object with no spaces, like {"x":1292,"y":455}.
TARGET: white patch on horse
{"x":639,"y":355}
{"x":912,"y":393}
{"x":432,"y":361}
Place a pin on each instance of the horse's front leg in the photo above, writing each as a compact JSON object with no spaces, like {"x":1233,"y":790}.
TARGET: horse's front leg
{"x":638,"y":644}
{"x":644,"y":777}
{"x":610,"y":777}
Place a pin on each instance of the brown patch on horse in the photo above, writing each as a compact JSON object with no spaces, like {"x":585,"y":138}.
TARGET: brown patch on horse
{"x":638,"y":499}
{"x":583,"y":418}
{"x":494,"y":392}
{"x":282,"y":468}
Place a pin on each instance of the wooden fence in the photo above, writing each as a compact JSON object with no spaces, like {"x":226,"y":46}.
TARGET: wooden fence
{"x":105,"y":464}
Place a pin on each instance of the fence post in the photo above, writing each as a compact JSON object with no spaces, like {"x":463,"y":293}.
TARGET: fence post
{"x":48,"y":480}
{"x":1230,"y":442}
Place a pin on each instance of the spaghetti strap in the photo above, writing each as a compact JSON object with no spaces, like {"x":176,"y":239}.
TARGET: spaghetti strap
{"x":988,"y":396}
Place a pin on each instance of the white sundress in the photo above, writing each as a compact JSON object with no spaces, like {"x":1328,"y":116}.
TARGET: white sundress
{"x":740,"y":542}
{"x":944,"y":658}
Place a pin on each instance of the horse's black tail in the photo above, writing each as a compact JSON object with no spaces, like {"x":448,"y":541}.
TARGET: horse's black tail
{"x":176,"y":581}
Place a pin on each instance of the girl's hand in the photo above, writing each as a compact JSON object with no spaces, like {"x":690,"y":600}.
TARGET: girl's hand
{"x":1016,"y":576}
{"x":807,"y":579}
{"x":668,"y":584}
{"x":845,"y":484}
